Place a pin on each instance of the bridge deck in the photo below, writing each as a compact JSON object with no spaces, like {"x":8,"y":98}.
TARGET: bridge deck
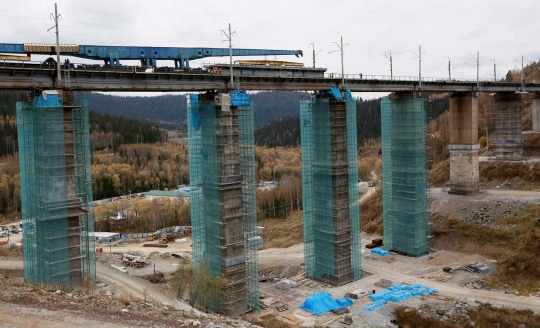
{"x":126,"y":80}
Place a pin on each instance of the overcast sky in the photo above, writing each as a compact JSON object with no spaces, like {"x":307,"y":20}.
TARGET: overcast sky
{"x":500,"y":30}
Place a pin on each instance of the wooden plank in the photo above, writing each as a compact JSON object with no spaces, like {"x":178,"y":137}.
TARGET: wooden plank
{"x":332,"y":320}
{"x":293,"y":318}
{"x":287,"y":321}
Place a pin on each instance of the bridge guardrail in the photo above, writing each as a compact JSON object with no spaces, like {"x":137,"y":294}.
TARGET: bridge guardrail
{"x":237,"y":73}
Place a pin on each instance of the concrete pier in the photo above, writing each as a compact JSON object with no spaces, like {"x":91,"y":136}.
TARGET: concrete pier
{"x":464,"y":147}
{"x":403,"y":121}
{"x":330,"y":190}
{"x":535,"y":112}
{"x":506,"y":116}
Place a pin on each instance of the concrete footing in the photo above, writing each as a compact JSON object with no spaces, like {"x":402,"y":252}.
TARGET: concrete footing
{"x":464,"y":147}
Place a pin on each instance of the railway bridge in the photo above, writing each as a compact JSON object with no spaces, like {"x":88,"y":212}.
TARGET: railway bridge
{"x":54,"y":152}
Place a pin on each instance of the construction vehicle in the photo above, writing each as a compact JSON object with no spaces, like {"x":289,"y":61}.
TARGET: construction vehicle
{"x":134,"y":261}
{"x":154,"y":236}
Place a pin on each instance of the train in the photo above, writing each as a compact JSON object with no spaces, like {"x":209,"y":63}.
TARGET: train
{"x":246,"y":68}
{"x":241,"y":68}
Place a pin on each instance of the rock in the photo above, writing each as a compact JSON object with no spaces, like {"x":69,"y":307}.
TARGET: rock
{"x":58,"y":292}
{"x":69,"y":295}
{"x":124,"y":310}
{"x":472,"y":324}
{"x":505,"y":286}
{"x":101,"y":284}
{"x":483,"y":284}
{"x":441,"y":311}
{"x":196,"y":323}
{"x":517,"y":293}
{"x":286,"y":284}
{"x":507,"y":292}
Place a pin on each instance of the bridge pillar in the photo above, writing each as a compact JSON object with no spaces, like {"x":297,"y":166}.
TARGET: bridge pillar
{"x":330,"y":188}
{"x":506,"y":116}
{"x":535,"y":112}
{"x":403,"y":121}
{"x":464,"y":147}
{"x":223,"y":208}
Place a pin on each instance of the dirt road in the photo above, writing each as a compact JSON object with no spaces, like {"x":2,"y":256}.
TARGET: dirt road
{"x":505,"y":194}
{"x":125,"y":284}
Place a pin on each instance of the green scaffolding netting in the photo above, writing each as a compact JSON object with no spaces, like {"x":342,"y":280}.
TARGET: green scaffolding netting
{"x":223,"y":190}
{"x":330,"y":190}
{"x":56,"y":191}
{"x":404,"y":175}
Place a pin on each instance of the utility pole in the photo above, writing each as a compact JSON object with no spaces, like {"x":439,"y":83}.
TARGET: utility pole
{"x":340,"y":46}
{"x":229,"y":37}
{"x":487,"y":138}
{"x":390,"y":58}
{"x":419,"y":55}
{"x":478,"y":70}
{"x":58,"y":73}
{"x":494,"y":70}
{"x":314,"y":54}
{"x":522,"y":77}
{"x":449,"y":75}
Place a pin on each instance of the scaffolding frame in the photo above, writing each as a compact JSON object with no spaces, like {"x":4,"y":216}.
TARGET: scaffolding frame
{"x":405,"y":203}
{"x":506,"y":116}
{"x":56,"y":189}
{"x":330,"y":189}
{"x":223,"y":190}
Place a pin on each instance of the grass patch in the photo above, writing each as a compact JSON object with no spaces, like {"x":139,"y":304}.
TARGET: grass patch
{"x":371,"y":209}
{"x":516,"y":247}
{"x":282,"y":233}
{"x":484,"y":316}
{"x":501,"y":171}
{"x":440,"y":173}
{"x":14,"y":251}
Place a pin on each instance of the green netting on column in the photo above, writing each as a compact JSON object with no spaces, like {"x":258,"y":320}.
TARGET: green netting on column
{"x":223,"y":191}
{"x":83,"y":180}
{"x":249,"y":202}
{"x":404,"y":185}
{"x":203,"y":181}
{"x":354,"y":196}
{"x":330,"y":190}
{"x":306,"y":139}
{"x":54,"y":156}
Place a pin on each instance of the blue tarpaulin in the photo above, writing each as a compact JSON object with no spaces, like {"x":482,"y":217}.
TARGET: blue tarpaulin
{"x":397,"y":293}
{"x":348,"y":94}
{"x":322,"y":302}
{"x":335,"y":92}
{"x":379,"y":251}
{"x":240,"y":98}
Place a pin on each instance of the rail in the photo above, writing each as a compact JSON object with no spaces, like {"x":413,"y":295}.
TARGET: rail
{"x":74,"y":67}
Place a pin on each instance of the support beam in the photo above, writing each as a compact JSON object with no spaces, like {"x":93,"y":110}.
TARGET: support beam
{"x":404,"y":174}
{"x":506,"y":116}
{"x":464,"y":147}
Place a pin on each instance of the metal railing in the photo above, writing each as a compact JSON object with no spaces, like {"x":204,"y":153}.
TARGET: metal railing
{"x":7,"y":64}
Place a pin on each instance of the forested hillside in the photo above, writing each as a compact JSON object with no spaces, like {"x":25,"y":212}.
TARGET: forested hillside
{"x":169,"y":111}
{"x":285,"y":132}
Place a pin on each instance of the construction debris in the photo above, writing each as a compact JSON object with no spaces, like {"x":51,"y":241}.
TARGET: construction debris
{"x":476,"y":267}
{"x":384,"y":283}
{"x":156,"y":245}
{"x":286,"y":284}
{"x":359,"y":293}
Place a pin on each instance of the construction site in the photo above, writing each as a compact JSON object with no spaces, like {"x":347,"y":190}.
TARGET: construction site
{"x":443,"y":240}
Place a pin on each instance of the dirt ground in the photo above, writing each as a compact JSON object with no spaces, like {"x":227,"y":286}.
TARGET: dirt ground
{"x":42,"y":311}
